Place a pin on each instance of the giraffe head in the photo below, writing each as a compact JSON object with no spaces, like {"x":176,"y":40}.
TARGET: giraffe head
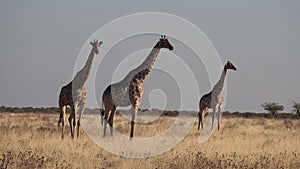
{"x":164,"y":43}
{"x":229,"y":65}
{"x":96,"y":45}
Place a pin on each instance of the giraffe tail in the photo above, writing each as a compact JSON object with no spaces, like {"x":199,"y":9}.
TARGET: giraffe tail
{"x":60,"y":119}
{"x":102,"y":115}
{"x":200,"y":119}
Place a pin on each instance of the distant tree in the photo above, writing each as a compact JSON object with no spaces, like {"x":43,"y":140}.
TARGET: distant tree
{"x":272,"y":108}
{"x":296,"y":109}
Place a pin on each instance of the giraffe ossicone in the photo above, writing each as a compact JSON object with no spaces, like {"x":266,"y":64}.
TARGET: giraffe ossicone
{"x":129,"y":90}
{"x":74,"y":93}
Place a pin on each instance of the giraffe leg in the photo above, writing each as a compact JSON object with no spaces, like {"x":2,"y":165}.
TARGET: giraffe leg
{"x":74,"y":124}
{"x":109,"y":105}
{"x":135,"y":98}
{"x":200,"y":119}
{"x":200,"y":122}
{"x":134,"y":113}
{"x":102,"y":117}
{"x":62,"y":120}
{"x":203,"y":114}
{"x":60,"y":117}
{"x":80,"y":111}
{"x":111,"y":119}
{"x":106,"y":114}
{"x":71,"y":125}
{"x":74,"y":120}
{"x":71,"y":119}
{"x":213,"y":118}
{"x":219,"y":114}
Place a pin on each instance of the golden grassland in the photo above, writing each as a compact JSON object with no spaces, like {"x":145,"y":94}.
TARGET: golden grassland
{"x":31,"y":140}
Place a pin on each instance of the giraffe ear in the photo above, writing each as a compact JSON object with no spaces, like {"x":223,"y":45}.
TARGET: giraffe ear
{"x":91,"y":43}
{"x":100,"y":43}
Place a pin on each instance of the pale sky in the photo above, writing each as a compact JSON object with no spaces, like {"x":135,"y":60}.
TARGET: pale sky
{"x":41,"y":40}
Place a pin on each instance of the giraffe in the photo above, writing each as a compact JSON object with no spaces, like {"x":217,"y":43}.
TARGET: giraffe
{"x":214,"y":98}
{"x":74,"y":93}
{"x":129,"y":91}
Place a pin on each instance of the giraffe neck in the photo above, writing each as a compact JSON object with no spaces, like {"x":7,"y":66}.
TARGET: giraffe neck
{"x":89,"y":62}
{"x":142,"y":71}
{"x":82,"y":75}
{"x":150,"y":60}
{"x":219,"y":86}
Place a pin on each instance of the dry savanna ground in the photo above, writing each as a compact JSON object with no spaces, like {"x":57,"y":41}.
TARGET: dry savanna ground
{"x":31,"y":140}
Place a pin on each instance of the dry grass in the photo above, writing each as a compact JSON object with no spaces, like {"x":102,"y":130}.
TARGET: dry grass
{"x":33,"y":141}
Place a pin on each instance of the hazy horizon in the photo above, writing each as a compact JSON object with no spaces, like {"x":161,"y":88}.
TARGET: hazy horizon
{"x":41,"y":40}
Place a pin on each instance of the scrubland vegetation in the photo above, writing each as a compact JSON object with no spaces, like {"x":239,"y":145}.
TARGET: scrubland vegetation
{"x":32,"y":140}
